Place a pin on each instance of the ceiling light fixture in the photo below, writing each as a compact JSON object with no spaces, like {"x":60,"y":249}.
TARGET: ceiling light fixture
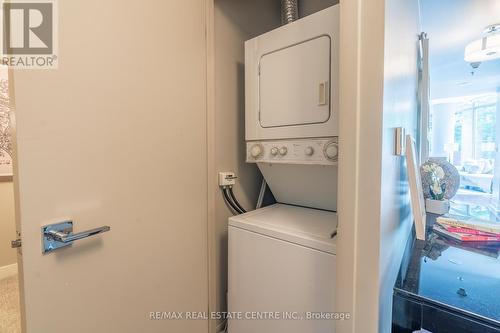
{"x":486,"y":48}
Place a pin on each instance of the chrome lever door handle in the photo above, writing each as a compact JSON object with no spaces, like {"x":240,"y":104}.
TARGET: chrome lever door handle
{"x":55,"y":236}
{"x":66,"y":237}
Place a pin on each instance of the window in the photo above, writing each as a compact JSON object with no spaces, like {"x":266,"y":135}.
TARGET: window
{"x":474,"y":131}
{"x":464,"y":130}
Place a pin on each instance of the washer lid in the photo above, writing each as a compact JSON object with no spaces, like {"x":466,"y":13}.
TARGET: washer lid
{"x":304,"y":226}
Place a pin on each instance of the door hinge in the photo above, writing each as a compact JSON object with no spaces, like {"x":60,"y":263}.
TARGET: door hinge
{"x":16,"y":243}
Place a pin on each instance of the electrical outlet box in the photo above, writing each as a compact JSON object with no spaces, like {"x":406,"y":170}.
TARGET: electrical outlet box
{"x":227,"y":178}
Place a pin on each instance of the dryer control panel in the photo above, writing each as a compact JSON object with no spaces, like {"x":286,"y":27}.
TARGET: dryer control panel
{"x":322,"y":151}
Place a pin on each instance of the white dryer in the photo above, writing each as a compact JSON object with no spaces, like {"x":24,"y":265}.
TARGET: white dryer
{"x":291,"y":80}
{"x":291,"y":109}
{"x":301,"y":172}
{"x":281,"y":264}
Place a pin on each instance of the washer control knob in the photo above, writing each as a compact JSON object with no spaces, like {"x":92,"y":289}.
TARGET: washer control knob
{"x":283,"y":150}
{"x":309,"y":151}
{"x":274,"y":151}
{"x":256,"y":150}
{"x":331,"y":151}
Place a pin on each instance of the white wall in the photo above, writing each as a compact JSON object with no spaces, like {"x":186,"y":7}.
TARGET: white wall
{"x":378,"y":93}
{"x":235,"y":22}
{"x":370,"y":167}
{"x":7,"y":223}
{"x":400,"y":107}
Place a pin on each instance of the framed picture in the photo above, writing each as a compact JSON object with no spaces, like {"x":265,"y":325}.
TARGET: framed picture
{"x":416,"y":192}
{"x":6,"y":125}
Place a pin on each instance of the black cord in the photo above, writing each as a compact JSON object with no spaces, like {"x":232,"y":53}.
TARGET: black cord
{"x":234,"y":202}
{"x":231,"y":195}
{"x":229,"y":202}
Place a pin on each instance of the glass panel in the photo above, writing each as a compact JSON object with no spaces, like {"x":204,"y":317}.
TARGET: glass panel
{"x":464,"y":130}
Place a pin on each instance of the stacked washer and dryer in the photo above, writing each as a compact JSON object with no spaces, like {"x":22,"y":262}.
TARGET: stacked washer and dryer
{"x":282,"y":257}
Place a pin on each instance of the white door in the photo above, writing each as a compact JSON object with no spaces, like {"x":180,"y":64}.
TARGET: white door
{"x":116,"y":136}
{"x":294,"y":85}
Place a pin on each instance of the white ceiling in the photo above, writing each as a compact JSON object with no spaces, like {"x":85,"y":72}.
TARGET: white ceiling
{"x":451,"y":25}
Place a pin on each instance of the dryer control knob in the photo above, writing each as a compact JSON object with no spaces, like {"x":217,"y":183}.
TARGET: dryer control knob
{"x":309,"y":151}
{"x":256,"y":150}
{"x":283,"y":151}
{"x":274,"y":151}
{"x":331,"y":151}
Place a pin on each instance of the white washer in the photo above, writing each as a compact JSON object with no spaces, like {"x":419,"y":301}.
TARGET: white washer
{"x":281,"y":260}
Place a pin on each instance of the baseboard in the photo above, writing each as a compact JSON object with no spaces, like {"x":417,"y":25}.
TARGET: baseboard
{"x":8,"y":271}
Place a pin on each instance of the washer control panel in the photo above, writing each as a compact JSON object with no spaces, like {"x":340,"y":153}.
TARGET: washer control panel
{"x":300,"y":151}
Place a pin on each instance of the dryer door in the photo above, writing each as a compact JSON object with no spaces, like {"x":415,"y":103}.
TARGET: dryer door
{"x":294,"y":84}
